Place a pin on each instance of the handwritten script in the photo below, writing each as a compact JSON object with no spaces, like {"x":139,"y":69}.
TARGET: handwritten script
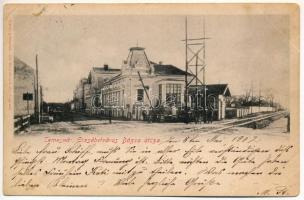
{"x":189,"y":164}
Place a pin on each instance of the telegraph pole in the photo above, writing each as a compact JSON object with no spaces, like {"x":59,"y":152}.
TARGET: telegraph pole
{"x":143,"y":85}
{"x":259,"y":96}
{"x":196,"y":92}
{"x":251,"y":104}
{"x":37,"y":91}
{"x":41,"y":103}
{"x":186,"y":76}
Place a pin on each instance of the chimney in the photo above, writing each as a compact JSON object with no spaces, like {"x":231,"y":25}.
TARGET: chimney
{"x":106,"y":67}
{"x":160,"y":62}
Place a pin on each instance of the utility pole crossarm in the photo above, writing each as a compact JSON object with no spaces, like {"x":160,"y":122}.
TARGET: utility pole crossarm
{"x":193,"y":39}
{"x":190,"y":44}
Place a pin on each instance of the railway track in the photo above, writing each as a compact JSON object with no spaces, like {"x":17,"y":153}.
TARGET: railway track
{"x":239,"y":122}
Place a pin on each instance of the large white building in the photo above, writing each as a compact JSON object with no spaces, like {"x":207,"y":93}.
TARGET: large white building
{"x":139,"y":85}
{"x":142,"y":84}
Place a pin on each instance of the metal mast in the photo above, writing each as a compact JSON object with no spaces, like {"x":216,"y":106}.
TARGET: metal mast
{"x":204,"y":73}
{"x":196,"y":47}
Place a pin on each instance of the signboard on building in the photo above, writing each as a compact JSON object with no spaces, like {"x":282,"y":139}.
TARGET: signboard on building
{"x":27,"y":96}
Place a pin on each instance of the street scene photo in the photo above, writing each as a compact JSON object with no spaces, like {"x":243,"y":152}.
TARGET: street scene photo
{"x":108,"y":75}
{"x":152,"y":100}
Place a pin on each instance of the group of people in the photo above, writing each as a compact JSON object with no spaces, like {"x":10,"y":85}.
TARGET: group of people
{"x":203,"y":115}
{"x":198,"y":116}
{"x":147,"y":115}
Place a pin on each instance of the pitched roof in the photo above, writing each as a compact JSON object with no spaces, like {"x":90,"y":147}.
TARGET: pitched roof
{"x":159,"y":69}
{"x":102,"y":69}
{"x":22,"y":67}
{"x":215,"y":89}
{"x":168,"y":70}
{"x":113,"y":78}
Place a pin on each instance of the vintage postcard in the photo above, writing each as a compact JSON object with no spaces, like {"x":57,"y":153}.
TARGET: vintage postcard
{"x":151,"y":99}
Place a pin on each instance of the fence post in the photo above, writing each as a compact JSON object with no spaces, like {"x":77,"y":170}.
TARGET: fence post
{"x":288,"y":123}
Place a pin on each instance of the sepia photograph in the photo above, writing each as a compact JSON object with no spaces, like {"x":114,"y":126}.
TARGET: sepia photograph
{"x":144,"y":99}
{"x":82,"y":73}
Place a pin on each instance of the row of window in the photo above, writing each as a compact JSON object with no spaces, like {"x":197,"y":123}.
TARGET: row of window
{"x":173,"y":95}
{"x":113,"y":98}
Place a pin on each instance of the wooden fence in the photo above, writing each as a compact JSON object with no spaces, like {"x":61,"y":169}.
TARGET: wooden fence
{"x":22,"y":122}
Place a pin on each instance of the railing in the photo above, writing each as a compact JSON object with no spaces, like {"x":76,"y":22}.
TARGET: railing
{"x":20,"y":123}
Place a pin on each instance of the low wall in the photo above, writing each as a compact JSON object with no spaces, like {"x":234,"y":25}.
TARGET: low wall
{"x":242,"y":112}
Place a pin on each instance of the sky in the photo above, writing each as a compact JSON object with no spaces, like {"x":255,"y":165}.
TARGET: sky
{"x":244,"y":50}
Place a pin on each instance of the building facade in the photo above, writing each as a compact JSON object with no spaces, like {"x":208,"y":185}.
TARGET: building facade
{"x":88,"y":89}
{"x":78,"y":97}
{"x":96,"y":79}
{"x":24,"y":89}
{"x":216,"y":96}
{"x":143,"y":84}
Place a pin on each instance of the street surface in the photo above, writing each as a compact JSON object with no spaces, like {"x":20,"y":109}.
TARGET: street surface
{"x":85,"y":125}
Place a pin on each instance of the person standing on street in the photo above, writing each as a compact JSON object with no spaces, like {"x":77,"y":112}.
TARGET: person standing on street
{"x":110,"y":116}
